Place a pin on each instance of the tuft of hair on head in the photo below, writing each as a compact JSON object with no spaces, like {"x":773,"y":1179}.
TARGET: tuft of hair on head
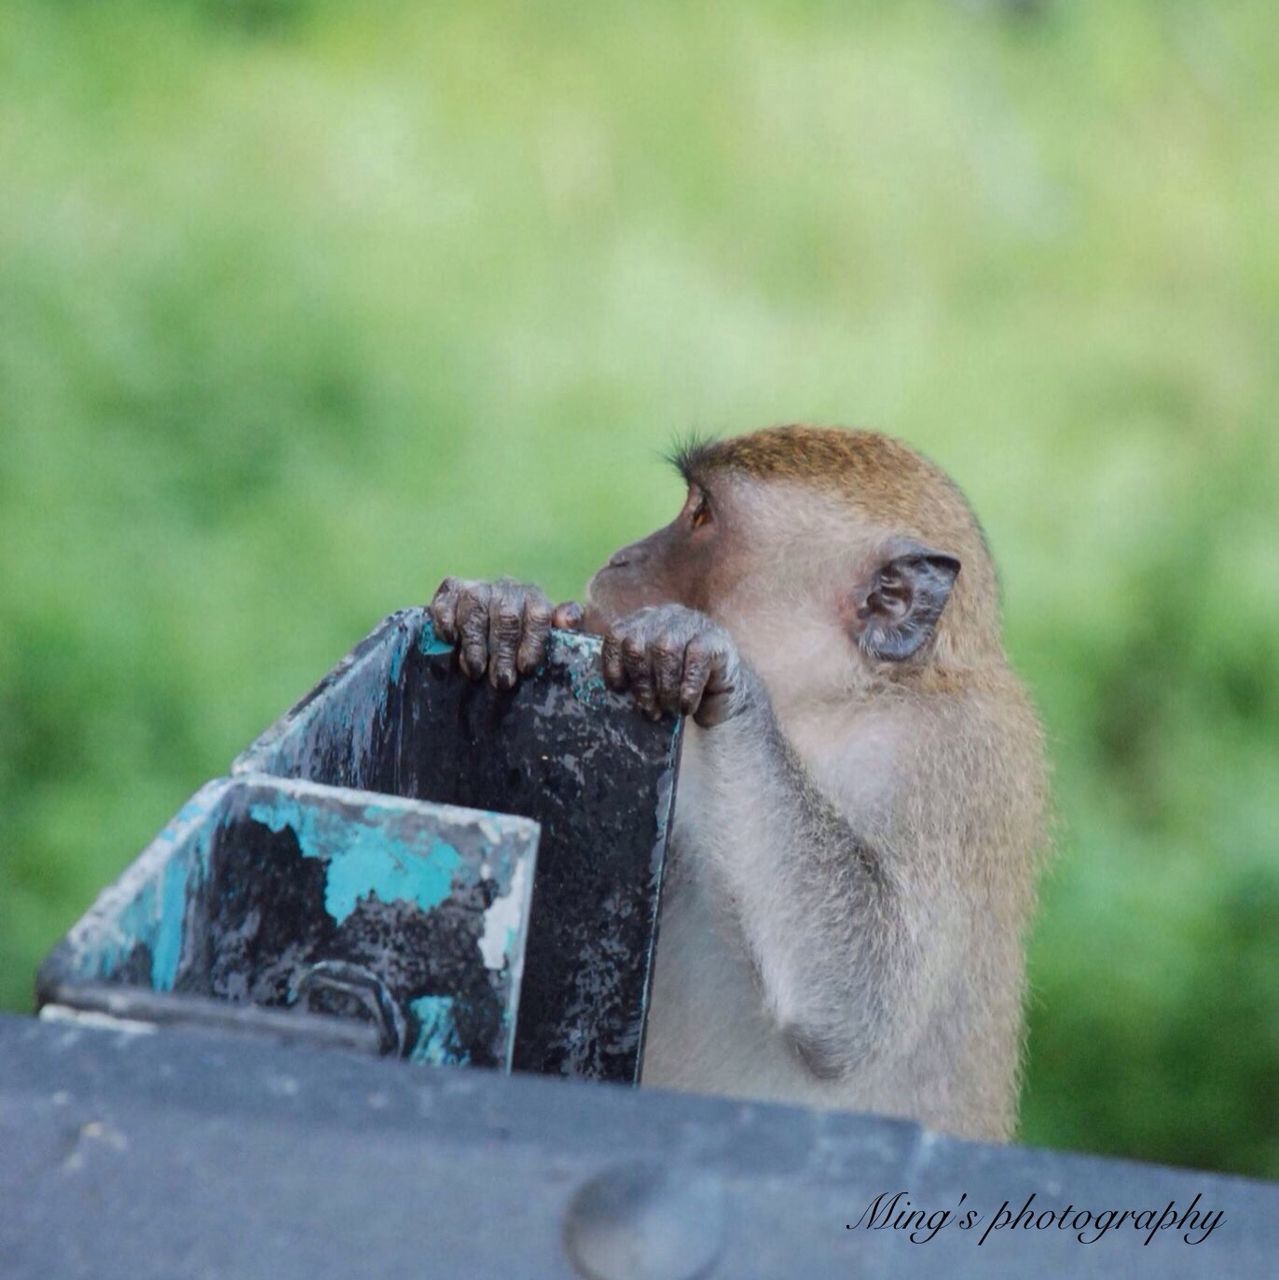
{"x":835,"y":457}
{"x":688,"y":452}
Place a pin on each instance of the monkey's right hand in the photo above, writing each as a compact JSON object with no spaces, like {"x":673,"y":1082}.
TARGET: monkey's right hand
{"x":676,"y":661}
{"x":500,"y":627}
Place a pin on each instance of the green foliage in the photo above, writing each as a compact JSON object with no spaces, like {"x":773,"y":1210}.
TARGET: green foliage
{"x":304,"y":305}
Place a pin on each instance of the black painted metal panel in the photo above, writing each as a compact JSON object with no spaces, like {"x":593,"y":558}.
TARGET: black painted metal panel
{"x":398,"y":716}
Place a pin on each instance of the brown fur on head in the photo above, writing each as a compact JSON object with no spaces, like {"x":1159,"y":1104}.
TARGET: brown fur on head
{"x":791,"y":530}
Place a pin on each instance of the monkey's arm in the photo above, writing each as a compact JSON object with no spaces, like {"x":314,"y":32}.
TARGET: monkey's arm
{"x":819,"y":903}
{"x":841,"y":934}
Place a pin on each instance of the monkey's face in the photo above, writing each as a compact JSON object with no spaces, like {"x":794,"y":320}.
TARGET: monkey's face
{"x":759,"y":559}
{"x":682,"y":563}
{"x":773,"y":564}
{"x":819,"y":590}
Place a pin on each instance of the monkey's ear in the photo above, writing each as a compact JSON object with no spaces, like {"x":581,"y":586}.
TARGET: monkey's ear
{"x":899,"y":607}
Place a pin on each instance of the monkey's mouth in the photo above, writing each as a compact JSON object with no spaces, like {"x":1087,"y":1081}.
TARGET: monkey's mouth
{"x":595,"y":616}
{"x":610,"y":596}
{"x":616,"y":592}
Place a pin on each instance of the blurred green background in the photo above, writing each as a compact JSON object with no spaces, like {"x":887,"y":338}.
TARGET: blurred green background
{"x":303,"y":305}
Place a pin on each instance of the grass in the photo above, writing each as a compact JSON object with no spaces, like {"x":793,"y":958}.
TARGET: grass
{"x":303,"y":306}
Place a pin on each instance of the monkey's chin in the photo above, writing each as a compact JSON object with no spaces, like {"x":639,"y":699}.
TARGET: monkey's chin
{"x":605,"y":600}
{"x":595,"y":618}
{"x":598,"y":610}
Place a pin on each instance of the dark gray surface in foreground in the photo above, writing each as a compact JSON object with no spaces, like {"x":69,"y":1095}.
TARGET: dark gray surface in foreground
{"x":174,"y":1155}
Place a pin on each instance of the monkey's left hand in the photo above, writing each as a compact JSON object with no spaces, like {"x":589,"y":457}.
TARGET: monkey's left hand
{"x":676,"y":660}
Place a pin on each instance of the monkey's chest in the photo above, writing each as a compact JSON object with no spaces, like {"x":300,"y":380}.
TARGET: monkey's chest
{"x":707,"y":1028}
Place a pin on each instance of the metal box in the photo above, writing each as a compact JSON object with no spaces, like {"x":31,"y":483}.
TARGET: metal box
{"x":396,"y":716}
{"x":382,"y":923}
{"x":423,"y":865}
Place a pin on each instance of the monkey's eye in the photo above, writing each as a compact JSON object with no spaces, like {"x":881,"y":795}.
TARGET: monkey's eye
{"x":701,"y":512}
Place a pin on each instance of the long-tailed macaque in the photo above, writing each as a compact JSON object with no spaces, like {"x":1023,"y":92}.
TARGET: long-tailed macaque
{"x":861,"y":802}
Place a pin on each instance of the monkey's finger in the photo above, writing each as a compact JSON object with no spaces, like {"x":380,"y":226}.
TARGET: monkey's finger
{"x":614,"y":669}
{"x":639,"y":673}
{"x":568,"y":616}
{"x":443,"y":609}
{"x":537,"y":631}
{"x":715,"y":709}
{"x":717,"y":697}
{"x":473,"y":629}
{"x":697,"y":672}
{"x":668,"y":671}
{"x":506,"y":627}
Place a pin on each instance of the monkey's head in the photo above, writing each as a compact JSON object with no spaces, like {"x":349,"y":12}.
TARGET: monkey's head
{"x":830,"y":556}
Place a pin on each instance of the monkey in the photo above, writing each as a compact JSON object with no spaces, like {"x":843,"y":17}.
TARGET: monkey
{"x":861,"y":805}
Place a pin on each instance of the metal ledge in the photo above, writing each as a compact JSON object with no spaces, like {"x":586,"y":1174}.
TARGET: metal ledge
{"x":175,"y":1155}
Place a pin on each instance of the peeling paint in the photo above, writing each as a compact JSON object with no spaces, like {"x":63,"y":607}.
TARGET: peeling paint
{"x":88,"y":1018}
{"x":364,"y":858}
{"x":560,"y":748}
{"x":429,"y":643}
{"x":502,"y":922}
{"x":437,"y":1042}
{"x":399,"y":651}
{"x":264,"y":879}
{"x":578,"y":654}
{"x":166,"y":947}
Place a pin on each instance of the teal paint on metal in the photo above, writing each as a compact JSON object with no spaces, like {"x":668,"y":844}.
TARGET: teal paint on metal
{"x":136,"y":924}
{"x":429,"y":643}
{"x":166,"y":944}
{"x":260,"y":883}
{"x":154,"y":918}
{"x":426,"y":902}
{"x":437,"y":1042}
{"x":399,"y":651}
{"x":585,"y":676}
{"x":561,"y":748}
{"x":147,"y":906}
{"x":363,"y":858}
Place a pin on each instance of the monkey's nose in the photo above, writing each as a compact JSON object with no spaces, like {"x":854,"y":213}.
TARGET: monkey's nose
{"x":625,"y":557}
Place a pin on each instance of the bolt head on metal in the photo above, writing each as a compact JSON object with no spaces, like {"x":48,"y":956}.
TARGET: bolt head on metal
{"x":646,"y":1221}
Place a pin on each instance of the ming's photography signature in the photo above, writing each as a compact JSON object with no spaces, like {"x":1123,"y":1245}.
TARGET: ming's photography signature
{"x":895,"y":1212}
